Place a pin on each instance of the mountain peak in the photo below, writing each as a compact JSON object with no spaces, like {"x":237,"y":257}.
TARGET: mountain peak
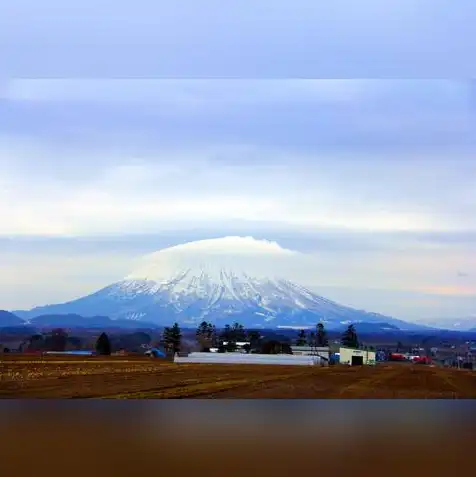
{"x":228,"y":245}
{"x":212,"y":258}
{"x":221,"y":280}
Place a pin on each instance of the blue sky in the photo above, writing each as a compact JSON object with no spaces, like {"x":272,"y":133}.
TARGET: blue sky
{"x":266,"y":38}
{"x":374,"y":178}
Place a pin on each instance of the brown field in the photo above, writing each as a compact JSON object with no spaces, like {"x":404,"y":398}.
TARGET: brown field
{"x":23,"y":376}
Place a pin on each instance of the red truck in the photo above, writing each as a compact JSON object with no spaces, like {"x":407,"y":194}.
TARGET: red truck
{"x":396,"y":357}
{"x":422,"y":360}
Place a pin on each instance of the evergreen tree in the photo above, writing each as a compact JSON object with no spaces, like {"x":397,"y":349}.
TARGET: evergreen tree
{"x":276,"y":347}
{"x":228,"y":336}
{"x":205,"y":334}
{"x":167,"y":339}
{"x":103,"y":345}
{"x":231,"y":335}
{"x":311,"y":339}
{"x":349,"y":338}
{"x":301,"y":339}
{"x":238,"y":332}
{"x":254,"y":337}
{"x":56,"y":340}
{"x":215,"y":340}
{"x":173,"y":338}
{"x":225,"y":335}
{"x":36,"y":343}
{"x":321,"y":336}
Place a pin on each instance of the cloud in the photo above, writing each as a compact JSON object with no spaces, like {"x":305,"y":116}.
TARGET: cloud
{"x":150,"y":197}
{"x":120,"y":155}
{"x":450,"y":290}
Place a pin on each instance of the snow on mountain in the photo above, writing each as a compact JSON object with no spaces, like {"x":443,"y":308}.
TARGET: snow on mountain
{"x":218,"y":280}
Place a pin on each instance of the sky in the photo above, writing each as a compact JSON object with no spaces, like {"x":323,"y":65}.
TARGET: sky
{"x":163,"y":125}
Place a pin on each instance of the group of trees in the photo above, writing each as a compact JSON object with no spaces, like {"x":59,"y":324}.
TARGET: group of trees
{"x":206,"y":335}
{"x":59,"y":340}
{"x":56,"y":340}
{"x":317,"y":338}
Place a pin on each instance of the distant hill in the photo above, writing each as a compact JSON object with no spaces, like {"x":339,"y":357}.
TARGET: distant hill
{"x":72,"y":320}
{"x":10,"y":319}
{"x":365,"y":327}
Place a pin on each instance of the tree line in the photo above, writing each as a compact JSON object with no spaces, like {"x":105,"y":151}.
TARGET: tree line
{"x":59,"y":339}
{"x":206,"y":335}
{"x":318,"y":338}
{"x":226,"y":340}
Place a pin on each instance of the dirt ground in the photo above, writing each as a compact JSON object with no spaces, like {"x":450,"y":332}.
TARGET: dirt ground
{"x":118,"y":377}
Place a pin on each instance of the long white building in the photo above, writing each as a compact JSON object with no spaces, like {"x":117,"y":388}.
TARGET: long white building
{"x":238,"y":358}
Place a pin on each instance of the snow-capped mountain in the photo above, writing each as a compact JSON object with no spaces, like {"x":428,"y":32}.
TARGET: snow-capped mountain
{"x":218,"y":280}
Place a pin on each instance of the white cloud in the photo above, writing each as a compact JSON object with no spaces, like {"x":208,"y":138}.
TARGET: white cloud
{"x":148,"y":195}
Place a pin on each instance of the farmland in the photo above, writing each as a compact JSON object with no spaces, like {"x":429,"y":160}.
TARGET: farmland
{"x":24,"y":376}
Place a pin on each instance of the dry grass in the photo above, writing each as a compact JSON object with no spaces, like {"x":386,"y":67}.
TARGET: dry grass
{"x":22,"y":376}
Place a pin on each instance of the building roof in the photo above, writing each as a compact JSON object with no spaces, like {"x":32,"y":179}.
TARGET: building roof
{"x":238,"y":343}
{"x":156,"y":352}
{"x":310,"y":348}
{"x":360,"y":350}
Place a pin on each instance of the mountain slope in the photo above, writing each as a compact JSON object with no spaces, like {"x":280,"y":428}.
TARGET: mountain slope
{"x":377,"y":327}
{"x":9,"y":319}
{"x":454,"y":324}
{"x":220,"y":280}
{"x":72,"y":320}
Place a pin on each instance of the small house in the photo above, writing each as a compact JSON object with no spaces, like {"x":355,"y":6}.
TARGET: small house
{"x":356,"y":357}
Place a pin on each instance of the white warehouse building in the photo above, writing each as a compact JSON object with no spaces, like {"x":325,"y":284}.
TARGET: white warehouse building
{"x":356,"y":357}
{"x":239,"y":358}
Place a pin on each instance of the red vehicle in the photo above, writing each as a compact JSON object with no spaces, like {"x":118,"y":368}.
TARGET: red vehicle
{"x":396,"y":357}
{"x":422,"y":360}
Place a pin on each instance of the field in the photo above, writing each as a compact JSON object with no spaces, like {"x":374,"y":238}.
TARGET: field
{"x":24,"y":376}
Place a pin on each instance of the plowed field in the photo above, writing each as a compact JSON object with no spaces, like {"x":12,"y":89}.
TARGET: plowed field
{"x":118,"y":377}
